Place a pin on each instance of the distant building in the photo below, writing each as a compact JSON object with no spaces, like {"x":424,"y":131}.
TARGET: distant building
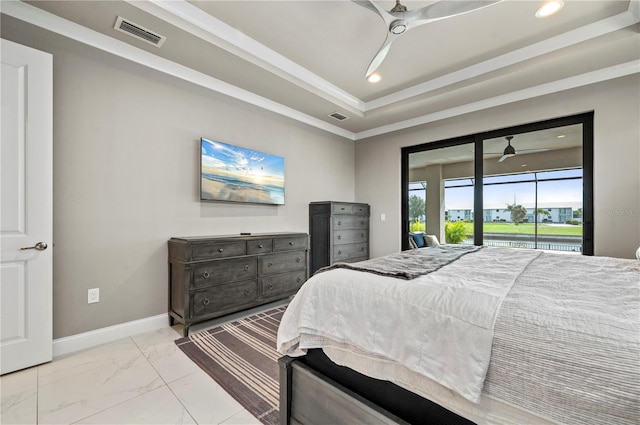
{"x":500,"y":214}
{"x":459,"y":215}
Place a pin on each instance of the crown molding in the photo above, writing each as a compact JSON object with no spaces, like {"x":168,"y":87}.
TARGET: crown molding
{"x":569,"y":83}
{"x":56,"y":24}
{"x":197,"y":22}
{"x":634,"y":8}
{"x":186,"y":16}
{"x":570,"y":38}
{"x":33,"y":15}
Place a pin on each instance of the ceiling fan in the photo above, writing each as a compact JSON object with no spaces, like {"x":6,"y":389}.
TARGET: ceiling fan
{"x":399,"y":20}
{"x":510,"y":151}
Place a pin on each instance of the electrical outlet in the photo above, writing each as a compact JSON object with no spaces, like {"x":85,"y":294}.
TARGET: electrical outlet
{"x":93,"y":295}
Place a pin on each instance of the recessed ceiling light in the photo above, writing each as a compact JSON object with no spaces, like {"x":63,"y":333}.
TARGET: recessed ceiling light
{"x":561,"y":136}
{"x":374,"y":78}
{"x":548,"y":8}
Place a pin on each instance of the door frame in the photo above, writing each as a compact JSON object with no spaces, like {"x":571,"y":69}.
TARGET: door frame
{"x":586,"y":119}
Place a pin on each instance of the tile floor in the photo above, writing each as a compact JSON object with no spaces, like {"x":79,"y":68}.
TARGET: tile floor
{"x":143,"y":379}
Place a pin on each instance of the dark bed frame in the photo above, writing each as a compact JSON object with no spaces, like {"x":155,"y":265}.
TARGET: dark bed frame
{"x":314,"y":390}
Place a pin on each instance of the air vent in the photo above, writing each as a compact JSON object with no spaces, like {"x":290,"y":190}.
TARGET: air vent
{"x":139,"y":32}
{"x":338,"y":116}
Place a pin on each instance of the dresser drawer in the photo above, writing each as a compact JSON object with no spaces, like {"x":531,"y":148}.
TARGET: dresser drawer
{"x":341,"y":237}
{"x":283,"y":262}
{"x":349,"y":251}
{"x":344,"y":208}
{"x":220,"y":272}
{"x":223,"y":297}
{"x":213,"y":250}
{"x":290,"y":244}
{"x":350,"y":222}
{"x":259,"y":246}
{"x":284,"y":283}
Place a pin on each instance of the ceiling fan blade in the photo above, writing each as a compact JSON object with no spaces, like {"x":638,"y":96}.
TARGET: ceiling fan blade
{"x":399,"y":22}
{"x":382,"y":53}
{"x":531,"y":150}
{"x":446,"y":9}
{"x":503,"y":157}
{"x":372,"y":6}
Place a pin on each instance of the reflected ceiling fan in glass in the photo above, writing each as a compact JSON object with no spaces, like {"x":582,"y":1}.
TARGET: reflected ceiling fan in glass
{"x":510,"y":151}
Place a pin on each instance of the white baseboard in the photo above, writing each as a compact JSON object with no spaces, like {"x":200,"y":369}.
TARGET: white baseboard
{"x":70,"y":344}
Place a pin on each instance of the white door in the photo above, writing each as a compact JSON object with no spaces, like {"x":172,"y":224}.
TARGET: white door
{"x":26,"y":207}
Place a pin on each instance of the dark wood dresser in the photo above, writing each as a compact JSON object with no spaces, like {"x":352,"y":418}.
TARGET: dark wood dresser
{"x":339,"y":232}
{"x":217,"y":275}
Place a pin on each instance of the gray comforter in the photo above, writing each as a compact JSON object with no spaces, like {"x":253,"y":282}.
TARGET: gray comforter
{"x":567,"y":342}
{"x":562,"y":332}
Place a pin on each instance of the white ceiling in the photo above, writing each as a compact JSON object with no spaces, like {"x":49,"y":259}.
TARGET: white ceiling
{"x":306,"y":59}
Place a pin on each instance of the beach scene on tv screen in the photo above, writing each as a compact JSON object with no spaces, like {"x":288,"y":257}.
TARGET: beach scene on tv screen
{"x":236,"y":174}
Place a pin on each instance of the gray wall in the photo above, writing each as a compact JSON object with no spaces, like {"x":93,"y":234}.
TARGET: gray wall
{"x":126,"y":173}
{"x":126,"y":177}
{"x":616,"y":167}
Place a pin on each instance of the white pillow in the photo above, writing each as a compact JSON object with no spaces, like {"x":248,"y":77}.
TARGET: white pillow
{"x":638,"y":253}
{"x":431,"y":240}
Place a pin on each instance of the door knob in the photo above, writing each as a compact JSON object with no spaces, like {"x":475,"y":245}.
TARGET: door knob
{"x":40,"y":246}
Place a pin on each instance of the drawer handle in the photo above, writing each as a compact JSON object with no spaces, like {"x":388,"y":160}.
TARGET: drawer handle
{"x":298,"y":260}
{"x":361,"y":248}
{"x":220,"y":250}
{"x":339,"y":237}
{"x":270,"y":264}
{"x":339,"y":223}
{"x":246,"y":267}
{"x":298,"y":280}
{"x":339,"y":252}
{"x":270,"y":286}
{"x":247,"y":292}
{"x":362,"y":222}
{"x":260,"y":246}
{"x":206,"y":275}
{"x":362,"y":235}
{"x":291,"y":243}
{"x":205,"y":301}
{"x":342,"y":208}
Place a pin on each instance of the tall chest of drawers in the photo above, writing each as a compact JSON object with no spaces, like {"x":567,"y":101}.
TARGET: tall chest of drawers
{"x":339,"y":233}
{"x":213,"y":276}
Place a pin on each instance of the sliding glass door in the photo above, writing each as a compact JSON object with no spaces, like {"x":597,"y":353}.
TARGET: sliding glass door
{"x":528,"y":186}
{"x":532,"y":188}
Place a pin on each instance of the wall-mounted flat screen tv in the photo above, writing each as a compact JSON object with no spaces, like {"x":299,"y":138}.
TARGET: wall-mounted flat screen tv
{"x":235,"y":174}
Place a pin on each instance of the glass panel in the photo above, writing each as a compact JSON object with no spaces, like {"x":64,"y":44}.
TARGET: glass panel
{"x":447,"y":177}
{"x":560,"y":221}
{"x":532,"y":188}
{"x":417,"y":206}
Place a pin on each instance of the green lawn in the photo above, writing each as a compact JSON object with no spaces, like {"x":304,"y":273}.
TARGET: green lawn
{"x":528,"y":229}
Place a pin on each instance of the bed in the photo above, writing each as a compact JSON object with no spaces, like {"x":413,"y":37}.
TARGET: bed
{"x":453,"y":334}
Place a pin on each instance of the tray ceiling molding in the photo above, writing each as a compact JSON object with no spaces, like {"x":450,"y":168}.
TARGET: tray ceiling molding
{"x":200,"y":24}
{"x":33,"y":15}
{"x":569,"y":83}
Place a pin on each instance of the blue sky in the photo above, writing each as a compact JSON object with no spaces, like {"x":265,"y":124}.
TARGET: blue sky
{"x":240,"y":160}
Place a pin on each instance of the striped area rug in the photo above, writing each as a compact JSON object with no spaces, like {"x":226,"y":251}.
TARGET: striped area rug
{"x":241,"y":356}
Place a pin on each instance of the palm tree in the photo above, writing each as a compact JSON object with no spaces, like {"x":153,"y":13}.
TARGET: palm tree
{"x":542,"y":211}
{"x":518,"y":213}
